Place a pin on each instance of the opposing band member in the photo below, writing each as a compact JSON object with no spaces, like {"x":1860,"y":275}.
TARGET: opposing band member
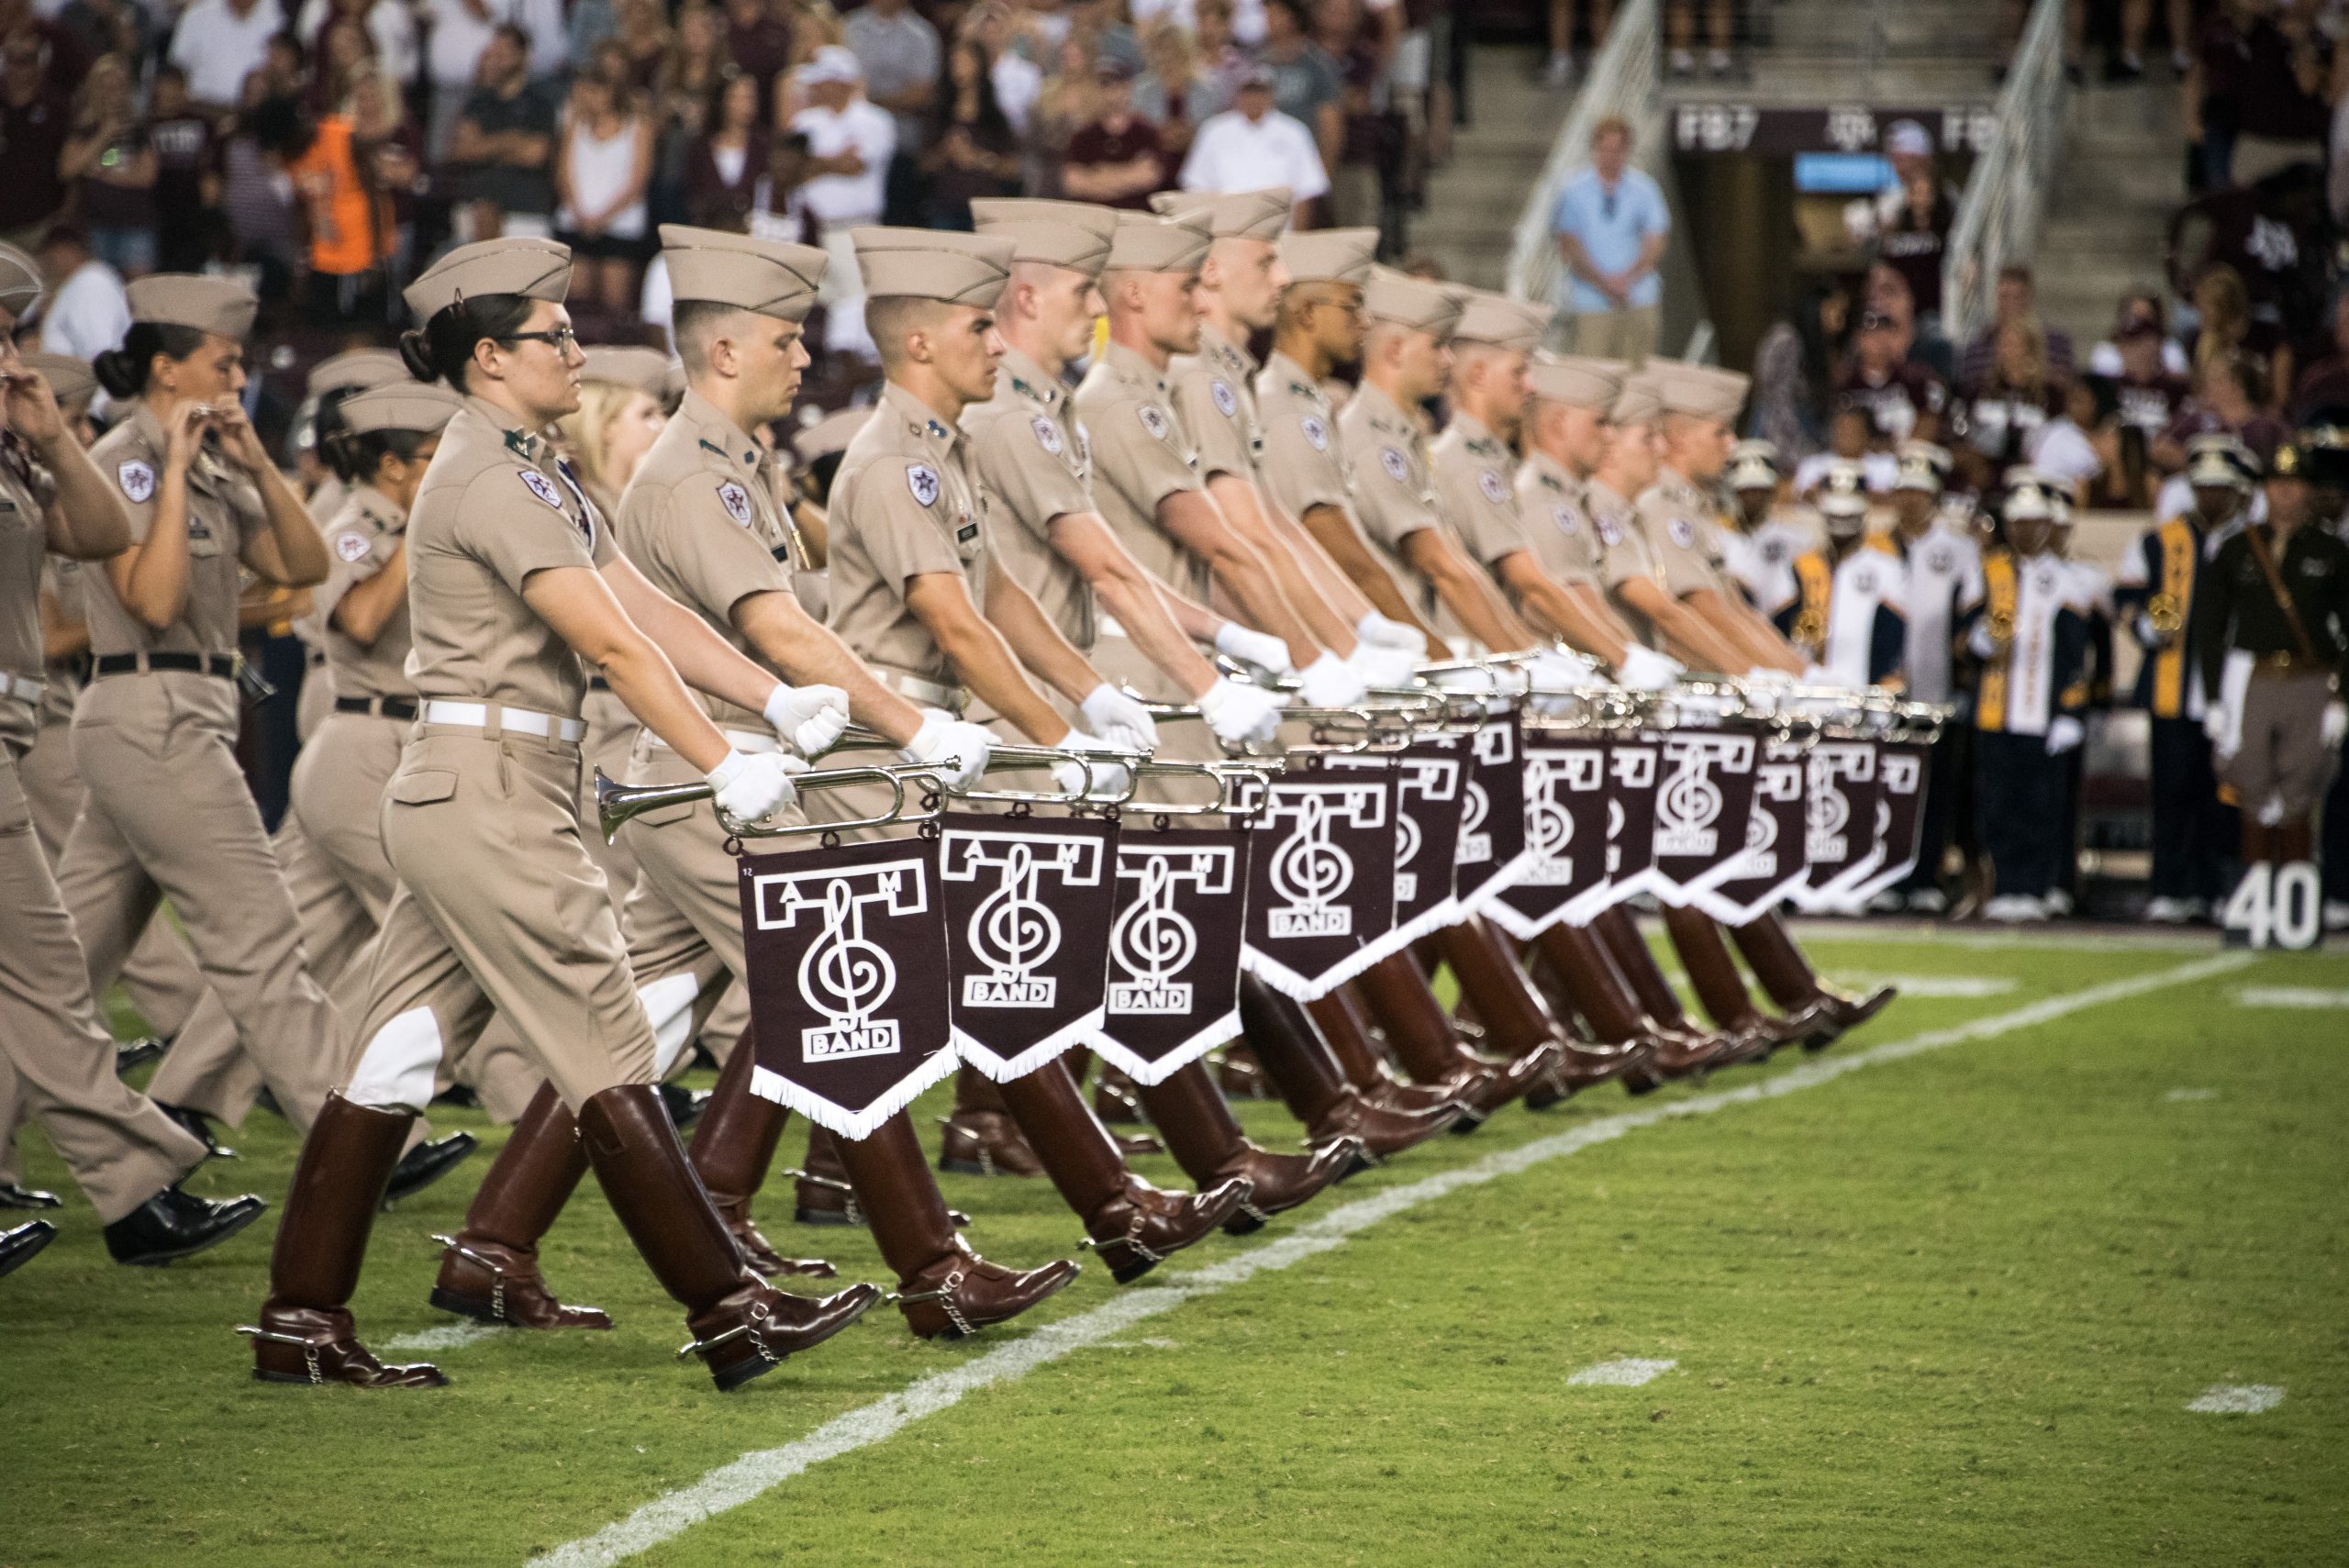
{"x":126,"y":1156}
{"x":1845,"y":617}
{"x":1944,"y":571}
{"x":1764,"y":533}
{"x":2155,"y":593}
{"x":512,"y":580}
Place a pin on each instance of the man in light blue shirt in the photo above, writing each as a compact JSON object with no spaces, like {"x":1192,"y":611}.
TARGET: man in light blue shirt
{"x":1612,"y":226}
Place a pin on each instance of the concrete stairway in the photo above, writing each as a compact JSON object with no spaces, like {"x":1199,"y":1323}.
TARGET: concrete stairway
{"x":2121,"y":177}
{"x":1803,"y":52}
{"x":1474,"y":202}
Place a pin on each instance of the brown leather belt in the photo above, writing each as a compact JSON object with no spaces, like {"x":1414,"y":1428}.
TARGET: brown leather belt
{"x":387,"y":708}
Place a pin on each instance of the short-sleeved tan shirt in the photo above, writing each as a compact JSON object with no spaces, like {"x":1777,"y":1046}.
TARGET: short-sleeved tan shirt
{"x":1678,"y":521}
{"x":24,"y":543}
{"x":61,"y":579}
{"x":905,"y":504}
{"x":700,"y":521}
{"x":1141,"y":454}
{"x":1550,"y":512}
{"x":1623,"y":552}
{"x":1394,"y":489}
{"x":1304,"y":464}
{"x":361,"y":541}
{"x":496,"y":506}
{"x":1472,"y":469}
{"x":1215,"y":394}
{"x":224,"y":514}
{"x":1031,"y":462}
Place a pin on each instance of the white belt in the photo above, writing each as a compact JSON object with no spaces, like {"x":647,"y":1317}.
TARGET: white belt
{"x":953,"y":699}
{"x":24,"y":690}
{"x":518,"y":720}
{"x":749,"y":742}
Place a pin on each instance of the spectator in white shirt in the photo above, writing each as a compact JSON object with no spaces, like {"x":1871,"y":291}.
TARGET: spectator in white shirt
{"x":460,"y":30}
{"x":221,"y":43}
{"x":1252,"y":146}
{"x":391,"y":27}
{"x":88,"y":311}
{"x":850,"y":142}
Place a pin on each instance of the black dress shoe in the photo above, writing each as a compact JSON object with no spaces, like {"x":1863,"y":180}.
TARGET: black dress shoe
{"x":684,"y":1105}
{"x":427,"y":1164}
{"x":17,"y":1246}
{"x":14,"y":1196}
{"x":173,"y":1224}
{"x":133,"y":1054}
{"x":457,"y":1095}
{"x":197,"y":1126}
{"x":264,"y":1100}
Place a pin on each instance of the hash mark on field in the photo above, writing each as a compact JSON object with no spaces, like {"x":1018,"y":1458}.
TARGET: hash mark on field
{"x":447,"y":1337}
{"x":2182,"y":1096}
{"x":2309,"y":997}
{"x":2237,"y":1399}
{"x":1945,"y":987}
{"x":1628,"y":1373}
{"x":746,"y":1479}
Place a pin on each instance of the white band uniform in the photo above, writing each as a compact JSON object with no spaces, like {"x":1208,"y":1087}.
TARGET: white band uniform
{"x":516,"y":720}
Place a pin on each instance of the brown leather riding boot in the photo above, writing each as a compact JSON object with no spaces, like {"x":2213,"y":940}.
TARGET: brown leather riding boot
{"x":742,"y":1327}
{"x":1516,"y":1017}
{"x":1769,"y":948}
{"x":1713,"y":974}
{"x":305,"y":1334}
{"x":1593,"y":984}
{"x":1681,"y":1047}
{"x":1314,"y":1090}
{"x":1133,"y":1225}
{"x":1343,"y":1024}
{"x":944,"y":1289}
{"x":490,"y":1271}
{"x":1241,"y":1076}
{"x":821,"y":1191}
{"x":2295,"y":841}
{"x":981,"y":1138}
{"x":1208,"y":1145}
{"x":733,"y":1144}
{"x":1429,"y":1048}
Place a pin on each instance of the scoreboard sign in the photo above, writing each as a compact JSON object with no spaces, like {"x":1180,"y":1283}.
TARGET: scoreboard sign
{"x":1835,"y":128}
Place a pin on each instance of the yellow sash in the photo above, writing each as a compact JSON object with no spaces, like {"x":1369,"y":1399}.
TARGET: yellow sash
{"x":2180,"y":551}
{"x":1999,"y":593}
{"x":1815,"y":589}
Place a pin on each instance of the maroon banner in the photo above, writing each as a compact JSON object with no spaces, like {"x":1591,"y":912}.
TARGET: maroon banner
{"x":1492,"y":850}
{"x":1174,"y":943}
{"x":1773,"y":864}
{"x":846,"y":961}
{"x":1430,"y":796}
{"x":1701,"y":808}
{"x":1027,"y":908}
{"x":1322,"y":881}
{"x":1840,"y":830}
{"x":1902,"y":768}
{"x":1566,"y":816}
{"x":1635,"y":769}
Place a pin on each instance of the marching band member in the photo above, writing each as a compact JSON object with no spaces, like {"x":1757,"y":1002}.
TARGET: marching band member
{"x":1943,"y":568}
{"x":1763,"y":535}
{"x":1845,"y":617}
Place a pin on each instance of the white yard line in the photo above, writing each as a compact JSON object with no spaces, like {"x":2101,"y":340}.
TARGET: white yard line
{"x":753,"y":1475}
{"x":2308,"y":996}
{"x":2237,"y":1399}
{"x":1935,"y":987}
{"x":1629,"y":1373}
{"x":2187,"y":1097}
{"x":447,"y":1337}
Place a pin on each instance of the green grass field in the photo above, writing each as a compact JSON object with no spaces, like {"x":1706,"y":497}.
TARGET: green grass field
{"x":1948,"y":1307}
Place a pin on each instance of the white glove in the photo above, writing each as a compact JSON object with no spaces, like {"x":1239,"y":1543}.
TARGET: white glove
{"x":1762,"y":675}
{"x":2064,"y":732}
{"x":1818,"y":675}
{"x":2218,"y":724}
{"x":1120,"y":719}
{"x":959,"y":751}
{"x":2335,"y":725}
{"x":1380,"y":632}
{"x":1645,"y":670}
{"x":1331,"y":682}
{"x":752,"y":789}
{"x":1106,"y":778}
{"x":1238,"y":713}
{"x":1554,"y":669}
{"x":1979,"y":641}
{"x":1382,"y":666}
{"x":2146,"y":632}
{"x":1260,"y":649}
{"x":807,"y":719}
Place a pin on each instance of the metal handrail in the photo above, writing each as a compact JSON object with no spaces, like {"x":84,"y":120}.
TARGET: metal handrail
{"x":1622,"y":81}
{"x":1999,"y":217}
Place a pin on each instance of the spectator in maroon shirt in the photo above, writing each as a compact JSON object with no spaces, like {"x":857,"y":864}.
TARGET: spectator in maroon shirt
{"x":187,"y":175}
{"x":2226,"y":400}
{"x":2258,"y":74}
{"x":2146,"y":392}
{"x":758,"y":43}
{"x":1116,"y":159}
{"x":65,"y":57}
{"x":35,"y":116}
{"x":1904,"y":400}
{"x":970,"y":150}
{"x":2327,"y":381}
{"x":726,"y":163}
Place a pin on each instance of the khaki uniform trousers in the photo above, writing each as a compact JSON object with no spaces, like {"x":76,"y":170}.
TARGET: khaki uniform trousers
{"x":2282,"y":764}
{"x":611,"y":739}
{"x":121,"y":1150}
{"x":169,"y":815}
{"x":498,"y":909}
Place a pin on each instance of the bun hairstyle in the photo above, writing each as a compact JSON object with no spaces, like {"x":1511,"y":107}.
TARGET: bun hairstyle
{"x":442,"y":347}
{"x":123,"y":371}
{"x":357,"y":454}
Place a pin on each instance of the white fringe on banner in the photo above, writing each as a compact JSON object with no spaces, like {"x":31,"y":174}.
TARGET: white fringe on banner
{"x":1078,"y":1032}
{"x":1143,"y":1071}
{"x":860,"y":1126}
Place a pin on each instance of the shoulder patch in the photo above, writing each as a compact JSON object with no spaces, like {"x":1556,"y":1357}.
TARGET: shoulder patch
{"x":1048,"y":435}
{"x":1227,"y":402}
{"x":1564,"y":517}
{"x":922,"y":479}
{"x":737,"y":502}
{"x":138,"y":480}
{"x":1683,"y":532}
{"x":1494,"y":487}
{"x":539,"y":484}
{"x":1609,"y":532}
{"x":1392,"y":461}
{"x":1153,"y":419}
{"x":353,"y":546}
{"x":1316,"y":433}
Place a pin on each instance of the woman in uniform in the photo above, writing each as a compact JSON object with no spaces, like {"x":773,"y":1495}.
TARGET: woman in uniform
{"x":512,"y":580}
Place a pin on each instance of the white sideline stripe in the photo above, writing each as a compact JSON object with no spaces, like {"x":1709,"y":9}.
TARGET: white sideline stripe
{"x":1629,"y":1371}
{"x":1936,"y":987}
{"x":2290,"y":996}
{"x":447,"y":1337}
{"x":731,"y":1486}
{"x":2237,"y":1399}
{"x":2183,"y":1096}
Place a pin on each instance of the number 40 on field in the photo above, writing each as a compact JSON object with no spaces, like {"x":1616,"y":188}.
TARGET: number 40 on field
{"x":2277,"y":907}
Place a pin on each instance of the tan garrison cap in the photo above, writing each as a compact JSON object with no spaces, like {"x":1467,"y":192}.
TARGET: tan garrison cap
{"x":71,"y":379}
{"x":21,"y":285}
{"x":1398,"y":299}
{"x":1149,"y":243}
{"x":1075,"y":235}
{"x":535,"y":269}
{"x":222,"y":307}
{"x":361,"y":368}
{"x":1500,"y":322}
{"x":830,"y":434}
{"x":766,"y":277}
{"x":919,"y":263}
{"x":1702,"y":391}
{"x":647,"y":371}
{"x":1638,"y":403}
{"x":1243,"y":214}
{"x":1329,"y":255}
{"x":416,"y":407}
{"x":1577,"y":379}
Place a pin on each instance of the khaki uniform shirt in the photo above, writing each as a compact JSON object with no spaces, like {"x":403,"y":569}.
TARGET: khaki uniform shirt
{"x":496,"y":504}
{"x":24,"y":543}
{"x":1395,"y":493}
{"x":1141,"y":454}
{"x":1679,"y":519}
{"x":1550,"y":511}
{"x":701,"y":522}
{"x":360,"y":540}
{"x":1623,"y":552}
{"x":1032,"y":461}
{"x":905,"y":504}
{"x":224,"y":515}
{"x":1472,"y":470}
{"x":62,"y":579}
{"x":1304,"y":465}
{"x":1215,"y":394}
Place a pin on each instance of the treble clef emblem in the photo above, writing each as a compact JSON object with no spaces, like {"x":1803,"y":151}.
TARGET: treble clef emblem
{"x":842,"y":974}
{"x":1151,"y":939}
{"x":1012,"y":929}
{"x":1309,"y":870}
